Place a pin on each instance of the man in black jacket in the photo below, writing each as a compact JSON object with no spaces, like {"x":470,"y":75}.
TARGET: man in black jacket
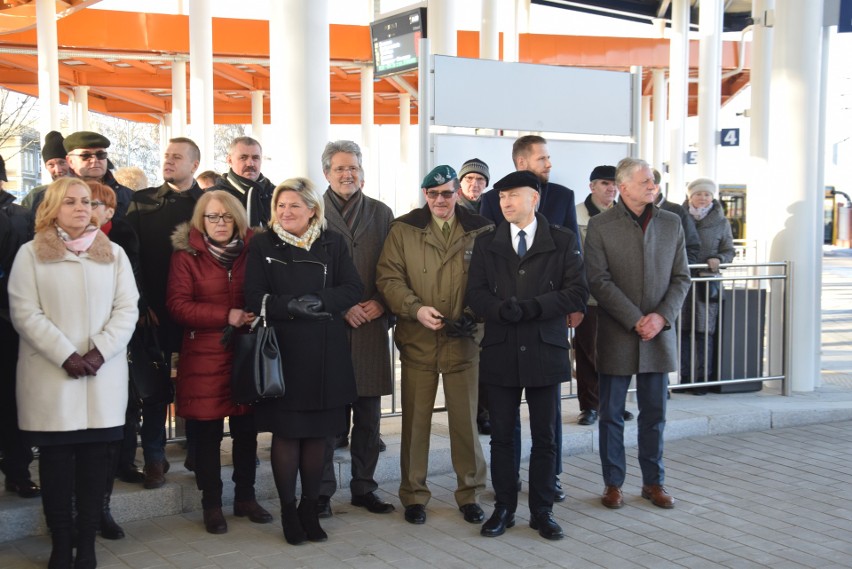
{"x":245,"y":181}
{"x":525,"y":277}
{"x":154,"y":213}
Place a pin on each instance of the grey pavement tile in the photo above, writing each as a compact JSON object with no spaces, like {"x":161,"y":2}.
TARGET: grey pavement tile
{"x":143,"y":560}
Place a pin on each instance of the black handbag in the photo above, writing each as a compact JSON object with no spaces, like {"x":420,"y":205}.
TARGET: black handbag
{"x":149,"y":370}
{"x":257,"y":372}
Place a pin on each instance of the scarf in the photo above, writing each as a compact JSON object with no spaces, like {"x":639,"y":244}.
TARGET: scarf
{"x":306,"y":240}
{"x":350,"y":210}
{"x":225,"y":254}
{"x":107,"y":227}
{"x":80,"y":244}
{"x":644,"y":219}
{"x":700,"y":213}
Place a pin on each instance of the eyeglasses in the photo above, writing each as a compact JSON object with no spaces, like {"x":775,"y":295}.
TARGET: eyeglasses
{"x":216,"y":218}
{"x":97,"y":204}
{"x":446,"y":194}
{"x":86,"y":156}
{"x":346,"y":170}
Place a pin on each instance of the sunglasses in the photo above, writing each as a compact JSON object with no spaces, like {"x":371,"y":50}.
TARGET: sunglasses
{"x":446,"y":194}
{"x":86,"y":156}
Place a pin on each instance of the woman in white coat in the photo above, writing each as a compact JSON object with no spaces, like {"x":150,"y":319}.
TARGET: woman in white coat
{"x":73,"y":302}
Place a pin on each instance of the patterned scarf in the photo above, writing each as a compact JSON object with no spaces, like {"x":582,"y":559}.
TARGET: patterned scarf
{"x":80,"y":244}
{"x":306,"y":240}
{"x":700,"y":213}
{"x":350,"y":210}
{"x":227,"y":254}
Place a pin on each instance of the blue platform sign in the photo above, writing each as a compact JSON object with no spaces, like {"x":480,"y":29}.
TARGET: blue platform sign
{"x":845,"y":22}
{"x":692,"y":157}
{"x":730,"y":137}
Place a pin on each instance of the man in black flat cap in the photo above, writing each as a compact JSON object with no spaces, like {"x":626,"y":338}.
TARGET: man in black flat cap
{"x":422,"y":276}
{"x":524,"y":278}
{"x":53,"y":153}
{"x":87,"y":156}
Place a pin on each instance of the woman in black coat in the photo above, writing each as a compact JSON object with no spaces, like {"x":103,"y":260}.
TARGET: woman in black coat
{"x":308,"y":279}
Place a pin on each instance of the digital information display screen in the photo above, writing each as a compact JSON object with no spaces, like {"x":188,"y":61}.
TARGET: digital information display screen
{"x":396,"y":42}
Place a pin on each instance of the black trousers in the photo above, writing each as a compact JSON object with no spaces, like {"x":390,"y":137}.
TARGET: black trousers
{"x":208,"y":459}
{"x":17,"y":455}
{"x":503,"y":406}
{"x":363,"y":447}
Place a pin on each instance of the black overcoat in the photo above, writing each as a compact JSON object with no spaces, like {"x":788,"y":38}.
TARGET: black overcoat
{"x":317,"y":364}
{"x":532,"y":353}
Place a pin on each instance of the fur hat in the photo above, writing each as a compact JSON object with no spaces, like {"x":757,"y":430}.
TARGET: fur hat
{"x":85,"y":139}
{"x":53,"y":147}
{"x":476,"y":166}
{"x":439,"y":176}
{"x":519,"y":179}
{"x":701,"y":185}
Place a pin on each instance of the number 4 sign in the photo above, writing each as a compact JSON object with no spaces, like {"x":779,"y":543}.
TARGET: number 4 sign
{"x":730,"y":137}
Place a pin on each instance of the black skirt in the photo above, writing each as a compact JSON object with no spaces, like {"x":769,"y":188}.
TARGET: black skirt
{"x":321,"y":423}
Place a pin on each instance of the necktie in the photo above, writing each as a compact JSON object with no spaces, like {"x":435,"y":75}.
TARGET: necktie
{"x":445,"y":229}
{"x":522,"y":243}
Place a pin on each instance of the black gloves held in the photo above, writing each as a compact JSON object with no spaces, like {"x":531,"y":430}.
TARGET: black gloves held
{"x":308,"y":307}
{"x":531,"y":309}
{"x":510,"y":311}
{"x":75,"y":366}
{"x":464,"y":327}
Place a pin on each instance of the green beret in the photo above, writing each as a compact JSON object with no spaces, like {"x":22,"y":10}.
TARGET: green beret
{"x":85,"y":139}
{"x":439,"y":176}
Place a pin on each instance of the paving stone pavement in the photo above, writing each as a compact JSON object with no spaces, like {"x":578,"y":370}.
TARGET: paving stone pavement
{"x":778,"y":498}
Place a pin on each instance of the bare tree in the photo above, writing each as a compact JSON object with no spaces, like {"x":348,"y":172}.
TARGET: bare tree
{"x":18,"y":115}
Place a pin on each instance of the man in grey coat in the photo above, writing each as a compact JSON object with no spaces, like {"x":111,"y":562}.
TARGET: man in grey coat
{"x":637,"y":270}
{"x":364,"y":224}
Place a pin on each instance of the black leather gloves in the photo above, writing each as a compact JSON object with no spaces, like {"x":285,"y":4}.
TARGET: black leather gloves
{"x":308,"y":307}
{"x":531,"y":309}
{"x":510,"y":310}
{"x":464,"y":327}
{"x":75,"y":366}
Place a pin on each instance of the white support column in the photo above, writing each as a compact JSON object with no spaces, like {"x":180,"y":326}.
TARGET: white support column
{"x":638,"y":127}
{"x":510,"y":31}
{"x":659,"y":152}
{"x":489,"y":33}
{"x":165,"y":133}
{"x":404,"y":177}
{"x":257,"y":115}
{"x":81,"y":100}
{"x":73,"y":113}
{"x":794,"y":214}
{"x":201,"y":79}
{"x":179,"y":120}
{"x":709,"y":85}
{"x":48,"y":66}
{"x":299,"y":55}
{"x":761,"y":68}
{"x":647,"y":147}
{"x":368,"y":117}
{"x":441,"y":26}
{"x":678,"y":101}
{"x":424,"y":111}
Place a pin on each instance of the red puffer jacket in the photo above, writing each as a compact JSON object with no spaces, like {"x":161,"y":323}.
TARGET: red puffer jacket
{"x":201,"y":292}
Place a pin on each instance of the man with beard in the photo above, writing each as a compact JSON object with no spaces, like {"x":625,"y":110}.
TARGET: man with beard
{"x":364,"y":224}
{"x":154,"y":214}
{"x":245,"y":181}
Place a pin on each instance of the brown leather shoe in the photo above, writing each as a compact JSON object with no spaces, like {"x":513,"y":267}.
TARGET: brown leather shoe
{"x":214,"y":521}
{"x":658,"y":496}
{"x":155,"y":475}
{"x":612,"y":497}
{"x":253,"y":510}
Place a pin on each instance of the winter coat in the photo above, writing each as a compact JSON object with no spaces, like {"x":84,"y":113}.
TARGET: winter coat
{"x":317,"y":365}
{"x":632,"y":274}
{"x":368,"y":342}
{"x":16,"y":228}
{"x":717,"y":240}
{"x":154,"y":214}
{"x":583,"y":217}
{"x":256,"y":196}
{"x":690,"y":235}
{"x":62,"y":303}
{"x":535,"y":352}
{"x":417,"y":268}
{"x":201,"y":294}
{"x":556,"y":204}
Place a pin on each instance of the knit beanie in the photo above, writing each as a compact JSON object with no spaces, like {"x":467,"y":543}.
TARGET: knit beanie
{"x":701,"y":185}
{"x":53,"y":147}
{"x":476,"y":166}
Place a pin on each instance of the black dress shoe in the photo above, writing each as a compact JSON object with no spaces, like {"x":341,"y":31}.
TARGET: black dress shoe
{"x":254,"y":511}
{"x":546,"y":525}
{"x":373,"y":503}
{"x":324,"y":507}
{"x":131,"y":474}
{"x":558,"y":494}
{"x":382,"y":446}
{"x":24,"y":488}
{"x":214,"y":521}
{"x":473,"y":514}
{"x":588,"y":417}
{"x":627,"y":415}
{"x":484,"y":427}
{"x":498,"y":523}
{"x":415,"y":514}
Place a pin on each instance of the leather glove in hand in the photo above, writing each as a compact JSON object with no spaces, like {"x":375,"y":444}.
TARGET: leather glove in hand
{"x":464,"y":327}
{"x":75,"y":366}
{"x":309,"y":307}
{"x":95,"y":359}
{"x":530,"y":308}
{"x":510,"y":310}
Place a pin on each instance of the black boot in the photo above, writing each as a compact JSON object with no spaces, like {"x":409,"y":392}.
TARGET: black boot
{"x":309,"y":516}
{"x":61,"y":554}
{"x":109,"y":529}
{"x":293,"y":532}
{"x":85,"y":558}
